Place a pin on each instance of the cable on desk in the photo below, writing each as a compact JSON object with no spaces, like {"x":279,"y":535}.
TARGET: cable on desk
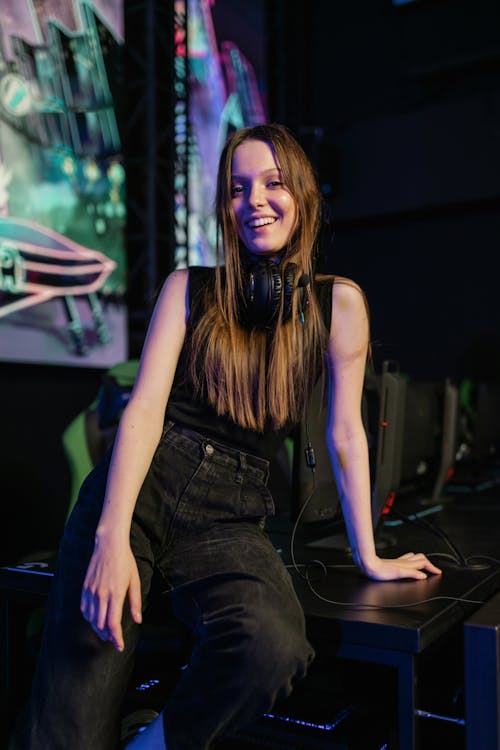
{"x":361,"y":606}
{"x":323,"y":572}
{"x":353,"y":605}
{"x":483,"y":557}
{"x":457,"y":557}
{"x":417,"y":520}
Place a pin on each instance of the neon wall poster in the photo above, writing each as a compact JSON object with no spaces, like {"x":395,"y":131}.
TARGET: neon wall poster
{"x":62,"y":183}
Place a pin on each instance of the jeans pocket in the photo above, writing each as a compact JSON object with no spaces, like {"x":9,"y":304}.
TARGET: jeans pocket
{"x":256,"y":500}
{"x":166,"y":429}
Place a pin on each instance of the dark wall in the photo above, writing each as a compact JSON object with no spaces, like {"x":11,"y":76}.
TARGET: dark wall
{"x":399,"y":108}
{"x":38,"y":403}
{"x":432,"y":283}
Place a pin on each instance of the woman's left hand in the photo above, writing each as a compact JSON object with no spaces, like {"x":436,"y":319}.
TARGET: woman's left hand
{"x":410,"y":565}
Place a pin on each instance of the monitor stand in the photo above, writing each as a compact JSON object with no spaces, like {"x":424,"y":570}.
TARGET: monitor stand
{"x":338,"y":541}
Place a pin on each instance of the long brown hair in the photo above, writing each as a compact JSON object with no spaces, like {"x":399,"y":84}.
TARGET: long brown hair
{"x":258,"y":380}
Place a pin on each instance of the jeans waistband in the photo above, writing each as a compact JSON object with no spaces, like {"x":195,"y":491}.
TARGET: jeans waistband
{"x":254,"y":461}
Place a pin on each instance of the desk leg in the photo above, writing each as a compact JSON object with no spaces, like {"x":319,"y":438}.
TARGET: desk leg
{"x":4,"y":660}
{"x":406,"y":702}
{"x":482,"y":692}
{"x":405,"y":665}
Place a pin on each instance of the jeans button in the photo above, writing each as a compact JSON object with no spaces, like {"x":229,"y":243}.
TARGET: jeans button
{"x":209,"y":449}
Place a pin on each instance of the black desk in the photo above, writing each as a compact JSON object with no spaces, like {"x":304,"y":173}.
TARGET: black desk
{"x":399,"y":637}
{"x":24,"y":584}
{"x":396,"y":638}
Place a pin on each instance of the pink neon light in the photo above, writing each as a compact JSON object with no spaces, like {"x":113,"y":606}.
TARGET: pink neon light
{"x":99,"y":264}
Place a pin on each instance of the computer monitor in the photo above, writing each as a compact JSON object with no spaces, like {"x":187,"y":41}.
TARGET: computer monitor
{"x":316,"y":501}
{"x":429,"y":439}
{"x":486,"y":429}
{"x":389,"y":440}
{"x":411,"y":428}
{"x":477,"y":472}
{"x":449,"y":439}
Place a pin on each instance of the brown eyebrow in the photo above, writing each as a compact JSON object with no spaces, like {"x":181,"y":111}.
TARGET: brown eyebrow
{"x":265,"y":172}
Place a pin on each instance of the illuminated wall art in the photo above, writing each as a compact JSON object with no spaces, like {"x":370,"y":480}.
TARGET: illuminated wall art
{"x":62,"y":183}
{"x":223,"y":94}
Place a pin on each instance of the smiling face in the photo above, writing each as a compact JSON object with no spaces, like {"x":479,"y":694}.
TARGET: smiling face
{"x":264,"y":208}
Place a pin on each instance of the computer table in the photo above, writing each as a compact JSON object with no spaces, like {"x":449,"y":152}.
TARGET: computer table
{"x":373,"y":630}
{"x":370,"y":629}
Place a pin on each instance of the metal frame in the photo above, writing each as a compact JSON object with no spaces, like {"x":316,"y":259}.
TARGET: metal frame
{"x":149,"y":152}
{"x":482,"y":677}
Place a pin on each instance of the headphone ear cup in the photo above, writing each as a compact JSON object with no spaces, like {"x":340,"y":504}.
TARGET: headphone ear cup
{"x":262,"y":290}
{"x":289,"y":275}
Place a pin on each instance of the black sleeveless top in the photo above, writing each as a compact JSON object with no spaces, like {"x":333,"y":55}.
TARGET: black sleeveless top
{"x":197,"y":414}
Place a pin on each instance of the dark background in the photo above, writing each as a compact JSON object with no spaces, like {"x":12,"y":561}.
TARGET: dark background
{"x":399,"y":109}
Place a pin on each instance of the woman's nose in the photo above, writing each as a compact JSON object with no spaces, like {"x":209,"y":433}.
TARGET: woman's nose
{"x":256,"y":196}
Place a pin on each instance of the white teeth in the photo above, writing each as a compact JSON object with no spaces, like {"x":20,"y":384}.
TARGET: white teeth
{"x":261,"y":222}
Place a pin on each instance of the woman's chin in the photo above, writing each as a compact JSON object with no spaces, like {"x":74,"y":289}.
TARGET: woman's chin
{"x":265,"y":253}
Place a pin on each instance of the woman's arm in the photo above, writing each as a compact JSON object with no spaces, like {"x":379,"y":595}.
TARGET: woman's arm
{"x":346,"y":438}
{"x":112,"y":571}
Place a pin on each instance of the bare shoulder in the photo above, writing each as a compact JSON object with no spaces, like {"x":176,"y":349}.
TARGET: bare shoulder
{"x":348,"y":297}
{"x":171,"y":310}
{"x":177,"y":280}
{"x":164,"y":340}
{"x":349,"y":332}
{"x":174,"y":293}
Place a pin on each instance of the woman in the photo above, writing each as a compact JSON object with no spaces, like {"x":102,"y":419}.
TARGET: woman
{"x":229,"y":358}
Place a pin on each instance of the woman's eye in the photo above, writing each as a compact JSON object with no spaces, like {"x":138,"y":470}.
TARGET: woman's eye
{"x":275,"y":183}
{"x":236,"y":189}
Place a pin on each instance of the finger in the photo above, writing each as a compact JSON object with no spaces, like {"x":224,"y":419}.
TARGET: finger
{"x":418,"y":575}
{"x":114,"y":624}
{"x":87,"y":605}
{"x":101,"y":613}
{"x":422,"y":561}
{"x":103,"y":634}
{"x":83,"y":604}
{"x":408,"y":554}
{"x":134,"y":597}
{"x":86,"y":595}
{"x":432,"y":568}
{"x":417,"y":559}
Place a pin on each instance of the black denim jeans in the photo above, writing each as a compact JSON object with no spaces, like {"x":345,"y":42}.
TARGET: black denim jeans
{"x":199,"y":521}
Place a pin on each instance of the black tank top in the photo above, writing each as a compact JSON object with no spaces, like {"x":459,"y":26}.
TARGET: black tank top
{"x":197,"y":414}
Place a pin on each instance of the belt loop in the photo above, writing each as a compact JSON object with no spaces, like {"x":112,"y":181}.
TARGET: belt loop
{"x":242,"y":467}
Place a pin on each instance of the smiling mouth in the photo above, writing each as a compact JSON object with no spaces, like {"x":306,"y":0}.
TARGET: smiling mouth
{"x":257,"y":223}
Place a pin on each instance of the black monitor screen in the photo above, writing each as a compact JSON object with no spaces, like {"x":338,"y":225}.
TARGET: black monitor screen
{"x":422,"y":434}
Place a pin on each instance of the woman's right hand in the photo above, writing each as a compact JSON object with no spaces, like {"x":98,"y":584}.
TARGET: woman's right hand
{"x":112,"y":574}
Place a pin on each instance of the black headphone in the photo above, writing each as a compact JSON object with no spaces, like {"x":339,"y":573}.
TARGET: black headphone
{"x":265,"y":283}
